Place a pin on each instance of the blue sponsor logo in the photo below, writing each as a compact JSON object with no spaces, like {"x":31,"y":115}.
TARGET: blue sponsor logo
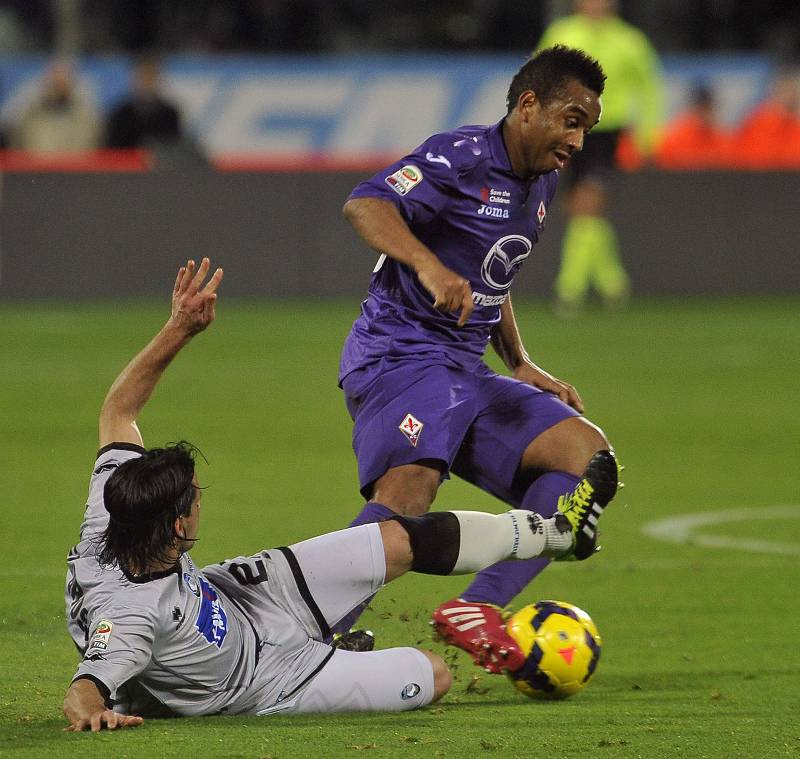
{"x":191,"y":584}
{"x":212,"y":621}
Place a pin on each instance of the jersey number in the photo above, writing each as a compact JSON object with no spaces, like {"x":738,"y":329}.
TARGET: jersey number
{"x":252,"y":572}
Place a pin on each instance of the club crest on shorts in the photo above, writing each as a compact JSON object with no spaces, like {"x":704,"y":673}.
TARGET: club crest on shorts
{"x":410,"y":691}
{"x":411,"y":428}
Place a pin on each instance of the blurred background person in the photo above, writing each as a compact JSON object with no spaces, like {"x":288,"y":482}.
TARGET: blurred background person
{"x":769,"y":137}
{"x":59,"y":119}
{"x":145,"y":118}
{"x":633,"y":99}
{"x":695,"y":138}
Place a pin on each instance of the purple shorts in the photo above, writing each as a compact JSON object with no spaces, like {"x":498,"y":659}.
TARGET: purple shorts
{"x":476,"y":422}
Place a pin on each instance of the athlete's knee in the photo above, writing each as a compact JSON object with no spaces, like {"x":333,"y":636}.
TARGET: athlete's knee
{"x":442,"y":679}
{"x":397,"y":549}
{"x":588,"y":440}
{"x":593,"y":438}
{"x":566,"y":447}
{"x":409,"y":489}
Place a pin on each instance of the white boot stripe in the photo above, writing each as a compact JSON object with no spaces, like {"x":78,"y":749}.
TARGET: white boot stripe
{"x":461,"y":609}
{"x":465,"y":617}
{"x":469,"y":625}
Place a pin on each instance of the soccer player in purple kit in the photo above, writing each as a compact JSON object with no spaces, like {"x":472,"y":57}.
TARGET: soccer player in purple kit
{"x":453,"y":222}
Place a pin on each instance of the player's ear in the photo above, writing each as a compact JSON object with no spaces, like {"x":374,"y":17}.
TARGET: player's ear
{"x":527,"y":103}
{"x":178,"y":528}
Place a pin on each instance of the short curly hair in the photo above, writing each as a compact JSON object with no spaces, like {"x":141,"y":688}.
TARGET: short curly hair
{"x":548,"y":72}
{"x":144,"y":496}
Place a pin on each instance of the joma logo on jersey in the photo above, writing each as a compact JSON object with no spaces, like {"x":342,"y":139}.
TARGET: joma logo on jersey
{"x":493,"y":211}
{"x":212,"y":621}
{"x":411,"y":428}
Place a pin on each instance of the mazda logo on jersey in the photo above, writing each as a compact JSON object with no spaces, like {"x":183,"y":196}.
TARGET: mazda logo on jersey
{"x":212,"y":621}
{"x":503,"y":261}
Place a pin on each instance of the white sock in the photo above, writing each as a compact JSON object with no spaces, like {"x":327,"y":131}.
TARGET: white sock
{"x":516,"y":534}
{"x":557,"y":542}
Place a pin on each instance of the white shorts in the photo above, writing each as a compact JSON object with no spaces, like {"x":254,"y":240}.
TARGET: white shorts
{"x":392,"y":680}
{"x":310,"y":587}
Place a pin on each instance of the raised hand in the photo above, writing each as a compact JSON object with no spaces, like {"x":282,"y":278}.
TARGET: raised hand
{"x":193,"y":308}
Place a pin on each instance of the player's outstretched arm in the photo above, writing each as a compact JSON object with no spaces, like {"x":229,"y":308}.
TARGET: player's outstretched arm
{"x":193,"y":309}
{"x":507,"y":343}
{"x":85,"y":708}
{"x":381,"y":226}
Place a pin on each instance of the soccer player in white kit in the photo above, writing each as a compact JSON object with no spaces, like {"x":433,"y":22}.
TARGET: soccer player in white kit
{"x":159,"y":636}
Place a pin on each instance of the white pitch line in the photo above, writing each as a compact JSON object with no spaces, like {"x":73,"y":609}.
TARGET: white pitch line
{"x":683,"y":529}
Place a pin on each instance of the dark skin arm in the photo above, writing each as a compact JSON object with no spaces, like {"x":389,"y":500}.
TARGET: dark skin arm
{"x":507,"y":343}
{"x":381,"y":226}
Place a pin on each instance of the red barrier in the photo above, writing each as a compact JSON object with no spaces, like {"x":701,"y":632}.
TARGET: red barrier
{"x":93,"y":162}
{"x":142,"y":161}
{"x":135,"y":161}
{"x":303,"y":162}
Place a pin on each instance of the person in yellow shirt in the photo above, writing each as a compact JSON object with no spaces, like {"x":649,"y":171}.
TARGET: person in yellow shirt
{"x":633,"y":99}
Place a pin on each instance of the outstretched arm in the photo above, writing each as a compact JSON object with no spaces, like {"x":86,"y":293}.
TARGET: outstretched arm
{"x":85,"y":708}
{"x":193,"y":309}
{"x":507,"y":343}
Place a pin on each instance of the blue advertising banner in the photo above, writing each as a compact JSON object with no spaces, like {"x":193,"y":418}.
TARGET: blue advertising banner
{"x":354,"y":106}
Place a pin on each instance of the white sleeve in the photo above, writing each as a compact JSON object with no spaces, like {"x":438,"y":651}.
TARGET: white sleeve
{"x":120,"y":647}
{"x":95,"y":518}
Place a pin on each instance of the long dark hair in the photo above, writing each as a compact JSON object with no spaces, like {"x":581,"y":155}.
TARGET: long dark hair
{"x":144,"y":497}
{"x":548,"y":72}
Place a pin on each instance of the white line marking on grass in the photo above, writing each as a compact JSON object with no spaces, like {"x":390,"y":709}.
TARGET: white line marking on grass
{"x":683,"y":529}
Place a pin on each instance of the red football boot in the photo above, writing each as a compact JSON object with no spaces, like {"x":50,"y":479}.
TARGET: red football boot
{"x":480,"y":630}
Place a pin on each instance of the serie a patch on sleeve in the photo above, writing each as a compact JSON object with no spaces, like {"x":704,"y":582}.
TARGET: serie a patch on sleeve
{"x":404,"y":180}
{"x":100,"y":637}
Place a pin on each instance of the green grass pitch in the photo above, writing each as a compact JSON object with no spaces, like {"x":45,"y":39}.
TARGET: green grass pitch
{"x":700,"y":654}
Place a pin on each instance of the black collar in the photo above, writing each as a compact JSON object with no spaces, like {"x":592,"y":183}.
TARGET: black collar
{"x":175,"y":569}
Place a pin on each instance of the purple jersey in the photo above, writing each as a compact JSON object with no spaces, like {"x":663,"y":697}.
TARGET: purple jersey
{"x":459,"y":196}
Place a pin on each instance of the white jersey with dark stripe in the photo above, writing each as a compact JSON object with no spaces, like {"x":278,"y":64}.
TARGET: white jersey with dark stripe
{"x":177,"y":639}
